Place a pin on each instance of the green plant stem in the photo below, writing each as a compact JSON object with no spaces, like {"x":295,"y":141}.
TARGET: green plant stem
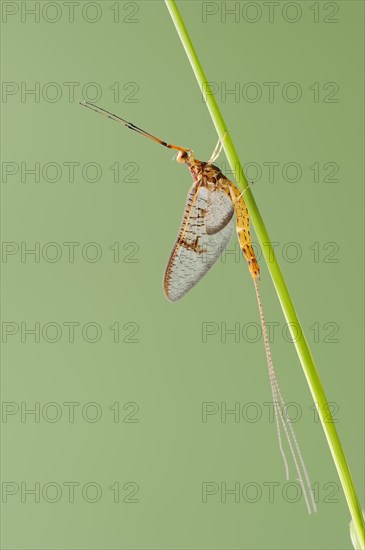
{"x":291,"y":317}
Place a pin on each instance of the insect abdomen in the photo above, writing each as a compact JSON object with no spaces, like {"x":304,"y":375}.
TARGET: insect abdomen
{"x":243,"y":228}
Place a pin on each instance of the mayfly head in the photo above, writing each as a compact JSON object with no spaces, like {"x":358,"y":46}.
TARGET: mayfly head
{"x":185,"y":156}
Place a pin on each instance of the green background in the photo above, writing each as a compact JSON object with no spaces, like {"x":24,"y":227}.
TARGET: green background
{"x":169,"y":371}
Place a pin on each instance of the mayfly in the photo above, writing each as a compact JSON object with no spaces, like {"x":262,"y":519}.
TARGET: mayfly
{"x":205,"y":231}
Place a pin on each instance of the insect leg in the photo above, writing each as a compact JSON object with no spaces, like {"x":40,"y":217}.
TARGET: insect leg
{"x":217,"y":151}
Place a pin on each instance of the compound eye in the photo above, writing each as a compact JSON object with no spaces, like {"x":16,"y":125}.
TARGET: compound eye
{"x":182,"y":156}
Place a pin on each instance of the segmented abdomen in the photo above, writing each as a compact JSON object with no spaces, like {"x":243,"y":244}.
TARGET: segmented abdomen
{"x":242,"y":226}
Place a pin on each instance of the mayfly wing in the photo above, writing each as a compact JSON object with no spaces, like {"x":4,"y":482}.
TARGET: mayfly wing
{"x":204,"y":233}
{"x":219,"y":211}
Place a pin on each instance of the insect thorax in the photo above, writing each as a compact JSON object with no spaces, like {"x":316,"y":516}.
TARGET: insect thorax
{"x":208,"y":175}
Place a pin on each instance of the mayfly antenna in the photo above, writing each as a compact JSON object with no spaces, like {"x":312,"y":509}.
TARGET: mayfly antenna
{"x":129,"y":125}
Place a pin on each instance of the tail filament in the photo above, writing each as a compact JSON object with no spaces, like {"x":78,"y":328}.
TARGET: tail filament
{"x":284,"y":421}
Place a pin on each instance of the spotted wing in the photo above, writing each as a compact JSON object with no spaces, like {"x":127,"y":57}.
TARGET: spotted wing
{"x":204,"y":233}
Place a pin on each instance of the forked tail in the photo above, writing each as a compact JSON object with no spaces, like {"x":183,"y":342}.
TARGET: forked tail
{"x":283,"y":421}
